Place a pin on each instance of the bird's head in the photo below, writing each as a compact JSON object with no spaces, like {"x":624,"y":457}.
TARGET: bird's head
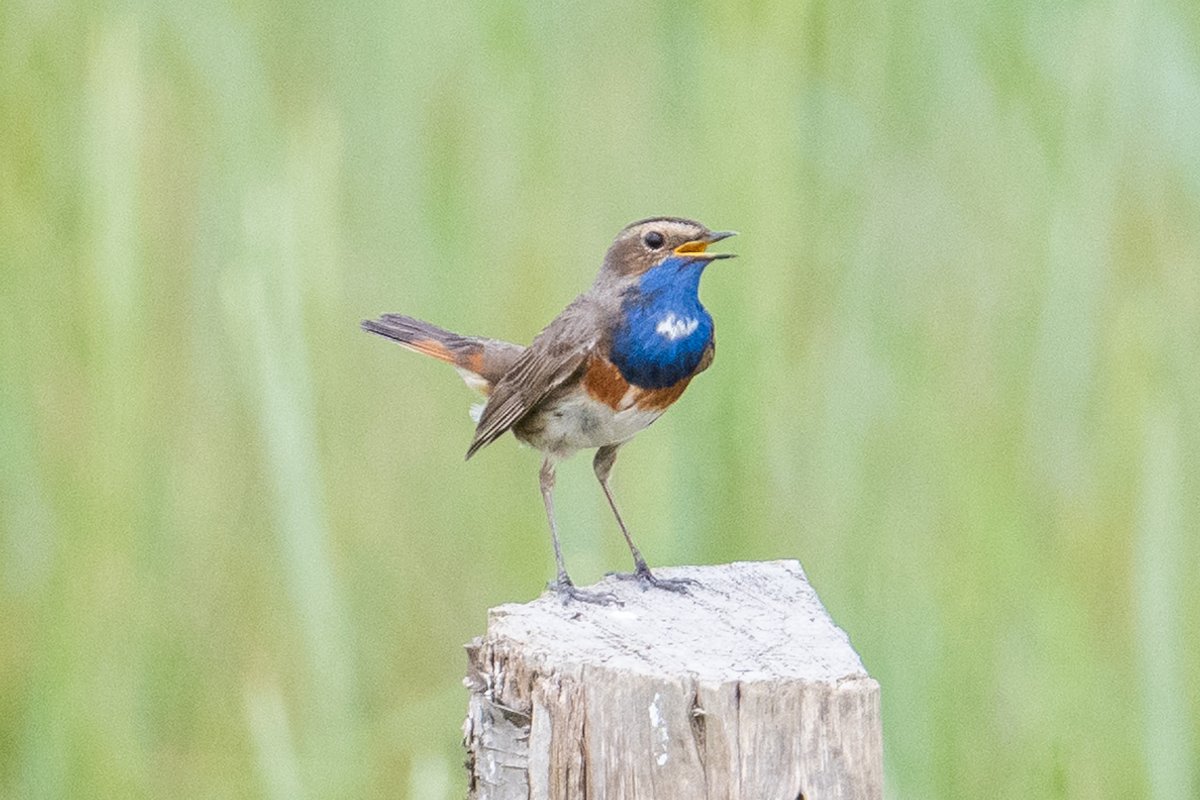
{"x":646,"y":244}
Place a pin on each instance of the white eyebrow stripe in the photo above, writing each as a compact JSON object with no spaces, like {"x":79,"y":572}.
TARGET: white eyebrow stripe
{"x":674,"y":328}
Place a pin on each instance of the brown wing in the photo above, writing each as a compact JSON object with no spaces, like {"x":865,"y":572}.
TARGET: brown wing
{"x":556,"y":354}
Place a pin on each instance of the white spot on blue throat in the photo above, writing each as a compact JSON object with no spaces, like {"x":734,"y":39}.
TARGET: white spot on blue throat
{"x":674,"y":328}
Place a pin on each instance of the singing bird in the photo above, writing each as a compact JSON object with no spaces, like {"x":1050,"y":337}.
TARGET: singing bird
{"x":605,"y":368}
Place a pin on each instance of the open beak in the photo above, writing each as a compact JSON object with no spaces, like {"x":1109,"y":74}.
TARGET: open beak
{"x":697,"y":248}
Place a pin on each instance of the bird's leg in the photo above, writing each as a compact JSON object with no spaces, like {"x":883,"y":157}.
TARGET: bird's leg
{"x":605,"y":458}
{"x":562,"y":584}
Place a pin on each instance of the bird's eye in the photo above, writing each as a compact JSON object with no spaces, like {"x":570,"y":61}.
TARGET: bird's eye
{"x":653,"y":240}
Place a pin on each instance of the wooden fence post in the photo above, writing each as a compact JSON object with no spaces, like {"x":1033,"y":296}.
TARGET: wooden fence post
{"x":742,"y":689}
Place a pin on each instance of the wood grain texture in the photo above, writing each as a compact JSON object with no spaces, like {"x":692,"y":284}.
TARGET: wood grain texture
{"x":742,"y":689}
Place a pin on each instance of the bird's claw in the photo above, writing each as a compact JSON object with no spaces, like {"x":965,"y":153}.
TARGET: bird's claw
{"x":567,"y":591}
{"x":646,"y":578}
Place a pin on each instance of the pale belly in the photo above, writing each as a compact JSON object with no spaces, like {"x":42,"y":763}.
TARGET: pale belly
{"x":579,"y":422}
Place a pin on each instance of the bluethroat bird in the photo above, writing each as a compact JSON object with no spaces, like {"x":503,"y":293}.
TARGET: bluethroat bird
{"x":605,"y":368}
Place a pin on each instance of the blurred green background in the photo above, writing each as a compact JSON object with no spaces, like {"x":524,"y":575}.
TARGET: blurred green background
{"x":958,"y":373}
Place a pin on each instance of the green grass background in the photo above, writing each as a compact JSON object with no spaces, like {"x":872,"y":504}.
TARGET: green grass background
{"x":958,"y":372}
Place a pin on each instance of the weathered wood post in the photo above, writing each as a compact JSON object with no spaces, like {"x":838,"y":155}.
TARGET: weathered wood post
{"x":743,"y":689}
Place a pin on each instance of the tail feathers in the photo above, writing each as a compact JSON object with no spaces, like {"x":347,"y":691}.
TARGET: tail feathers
{"x":481,"y":362}
{"x":420,"y":336}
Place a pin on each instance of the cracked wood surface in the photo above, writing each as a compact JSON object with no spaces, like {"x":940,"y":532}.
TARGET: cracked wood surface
{"x":742,"y":689}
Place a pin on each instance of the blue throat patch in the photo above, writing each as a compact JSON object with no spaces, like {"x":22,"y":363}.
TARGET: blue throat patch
{"x":663,"y":330}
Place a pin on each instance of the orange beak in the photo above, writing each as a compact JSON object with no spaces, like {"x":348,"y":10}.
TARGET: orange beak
{"x":697,"y":248}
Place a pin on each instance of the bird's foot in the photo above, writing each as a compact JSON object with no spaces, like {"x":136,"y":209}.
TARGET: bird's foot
{"x":568,"y":591}
{"x":646,"y":578}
